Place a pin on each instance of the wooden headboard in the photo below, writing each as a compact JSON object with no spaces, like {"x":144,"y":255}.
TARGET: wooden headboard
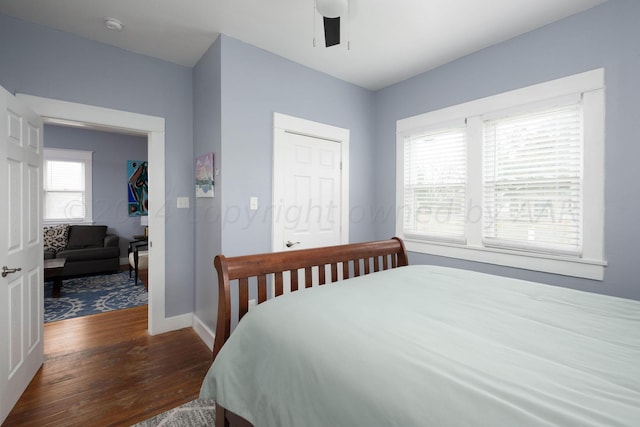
{"x":356,"y":259}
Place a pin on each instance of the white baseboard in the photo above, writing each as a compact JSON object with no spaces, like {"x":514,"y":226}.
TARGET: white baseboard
{"x":188,"y":320}
{"x":174,"y":323}
{"x":203,"y":331}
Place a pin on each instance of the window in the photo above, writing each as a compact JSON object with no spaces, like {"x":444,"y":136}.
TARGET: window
{"x":532,"y":177}
{"x":434,"y":185}
{"x":67,"y":186}
{"x":515,"y":182}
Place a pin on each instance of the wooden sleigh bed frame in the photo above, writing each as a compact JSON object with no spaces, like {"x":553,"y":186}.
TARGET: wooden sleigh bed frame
{"x":356,"y":259}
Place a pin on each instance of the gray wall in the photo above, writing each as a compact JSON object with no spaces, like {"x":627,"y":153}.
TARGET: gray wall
{"x":43,"y":62}
{"x":110,"y":154}
{"x":255,"y":84}
{"x":607,"y":36}
{"x":207,"y":138}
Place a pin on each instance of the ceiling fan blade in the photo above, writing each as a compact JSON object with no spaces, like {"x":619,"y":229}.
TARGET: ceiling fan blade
{"x":331,"y":31}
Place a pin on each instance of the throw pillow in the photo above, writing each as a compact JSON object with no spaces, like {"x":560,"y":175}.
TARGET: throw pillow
{"x":55,"y":237}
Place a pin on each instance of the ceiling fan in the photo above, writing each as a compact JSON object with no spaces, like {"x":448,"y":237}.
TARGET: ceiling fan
{"x":331,"y":11}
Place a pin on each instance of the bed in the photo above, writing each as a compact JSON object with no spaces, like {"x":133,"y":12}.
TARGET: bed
{"x":390,"y":344}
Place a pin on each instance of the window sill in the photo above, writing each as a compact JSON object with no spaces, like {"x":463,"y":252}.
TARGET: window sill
{"x":70,"y":222}
{"x":566,"y":266}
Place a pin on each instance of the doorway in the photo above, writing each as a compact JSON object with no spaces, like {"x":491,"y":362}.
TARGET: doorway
{"x":63,"y":112}
{"x":103,"y":161}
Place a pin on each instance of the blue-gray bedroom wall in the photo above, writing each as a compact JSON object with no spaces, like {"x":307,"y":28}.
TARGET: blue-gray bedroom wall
{"x":109,"y":167}
{"x":207,"y":138}
{"x":606,"y":36}
{"x":255,"y":84}
{"x":43,"y":62}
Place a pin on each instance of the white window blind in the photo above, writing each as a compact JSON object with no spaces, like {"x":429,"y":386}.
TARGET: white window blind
{"x":434,"y":185}
{"x":64,"y":190}
{"x":532,"y":181}
{"x":534,"y":194}
{"x":67,"y":192}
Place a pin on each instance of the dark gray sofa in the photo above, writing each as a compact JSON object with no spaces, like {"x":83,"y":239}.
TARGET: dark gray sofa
{"x":89,"y":250}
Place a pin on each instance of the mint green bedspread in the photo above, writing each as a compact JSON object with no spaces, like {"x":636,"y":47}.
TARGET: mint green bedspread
{"x":433,"y":346}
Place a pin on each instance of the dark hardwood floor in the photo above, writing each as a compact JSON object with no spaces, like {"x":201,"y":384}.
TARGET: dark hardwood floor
{"x":106,"y":370}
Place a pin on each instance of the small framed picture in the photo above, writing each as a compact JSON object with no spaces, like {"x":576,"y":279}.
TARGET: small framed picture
{"x":204,"y":175}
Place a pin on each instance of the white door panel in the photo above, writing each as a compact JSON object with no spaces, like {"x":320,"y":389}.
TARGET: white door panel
{"x":21,"y":292}
{"x":311,"y":188}
{"x":311,"y":174}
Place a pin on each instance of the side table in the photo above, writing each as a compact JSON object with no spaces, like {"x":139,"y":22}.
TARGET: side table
{"x":53,"y":270}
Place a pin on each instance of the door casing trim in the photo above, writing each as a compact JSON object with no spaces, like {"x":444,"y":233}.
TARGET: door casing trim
{"x":57,"y":111}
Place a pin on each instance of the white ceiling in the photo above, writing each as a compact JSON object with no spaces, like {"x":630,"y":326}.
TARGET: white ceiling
{"x":391,"y":40}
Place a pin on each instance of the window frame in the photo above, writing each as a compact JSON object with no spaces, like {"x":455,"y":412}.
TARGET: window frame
{"x":591,"y":263}
{"x":80,"y":156}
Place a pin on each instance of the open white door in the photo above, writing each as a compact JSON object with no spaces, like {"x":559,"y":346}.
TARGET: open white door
{"x":21,"y":260}
{"x":310,"y":184}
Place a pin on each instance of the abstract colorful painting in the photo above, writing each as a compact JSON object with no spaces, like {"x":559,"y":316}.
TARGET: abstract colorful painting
{"x":204,"y":175}
{"x":138,"y":187}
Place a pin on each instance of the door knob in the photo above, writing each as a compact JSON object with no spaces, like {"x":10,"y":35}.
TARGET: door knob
{"x":290,"y":243}
{"x":6,"y":270}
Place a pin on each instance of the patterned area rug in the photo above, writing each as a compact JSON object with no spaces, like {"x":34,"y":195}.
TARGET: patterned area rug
{"x":91,"y":295}
{"x":197,"y":413}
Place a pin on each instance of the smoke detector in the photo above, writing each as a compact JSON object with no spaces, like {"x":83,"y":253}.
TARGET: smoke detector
{"x":113,"y":24}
